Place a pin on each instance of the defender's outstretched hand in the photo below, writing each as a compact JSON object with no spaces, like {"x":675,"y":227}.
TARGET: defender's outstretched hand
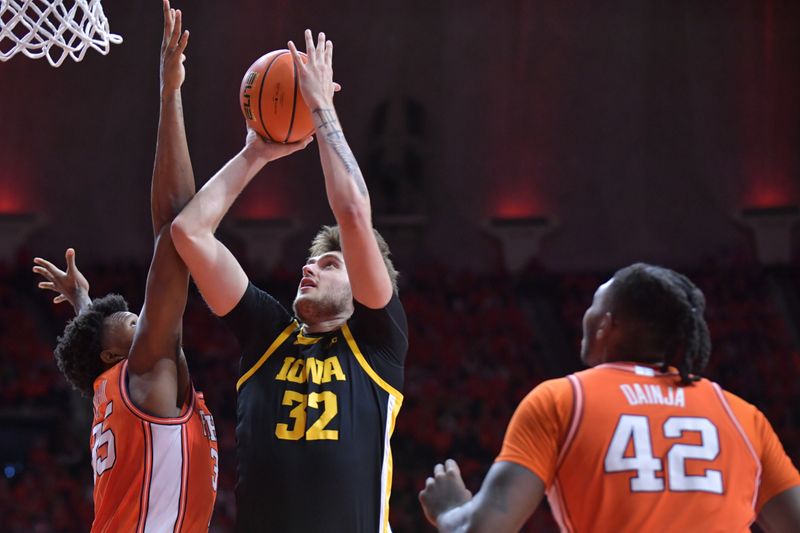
{"x":444,"y":491}
{"x":315,"y":77}
{"x":71,"y":285}
{"x":173,"y":45}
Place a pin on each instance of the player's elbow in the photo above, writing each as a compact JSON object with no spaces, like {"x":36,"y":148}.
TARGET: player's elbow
{"x":184,"y":234}
{"x":353,"y":215}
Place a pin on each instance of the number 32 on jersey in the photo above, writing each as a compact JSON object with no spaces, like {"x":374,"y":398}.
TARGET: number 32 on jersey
{"x":636,"y":428}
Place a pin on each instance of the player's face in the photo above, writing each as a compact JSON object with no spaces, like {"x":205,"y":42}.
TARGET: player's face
{"x":592,"y":344}
{"x":324,"y":290}
{"x":118,"y":332}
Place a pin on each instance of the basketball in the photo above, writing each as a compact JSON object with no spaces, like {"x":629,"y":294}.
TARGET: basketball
{"x":271,"y":101}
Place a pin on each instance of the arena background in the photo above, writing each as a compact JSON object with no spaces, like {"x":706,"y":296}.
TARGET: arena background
{"x":517,"y":153}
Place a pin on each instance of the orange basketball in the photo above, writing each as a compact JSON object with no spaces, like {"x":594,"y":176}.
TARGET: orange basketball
{"x":271,"y":100}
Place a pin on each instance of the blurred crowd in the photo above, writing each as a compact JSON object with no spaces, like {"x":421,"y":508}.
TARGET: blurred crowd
{"x":475,"y":351}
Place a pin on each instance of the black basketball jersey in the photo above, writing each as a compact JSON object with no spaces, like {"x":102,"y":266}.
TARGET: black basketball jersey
{"x":314,"y":417}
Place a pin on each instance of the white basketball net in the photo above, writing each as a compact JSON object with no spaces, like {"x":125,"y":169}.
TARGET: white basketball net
{"x":53,"y":28}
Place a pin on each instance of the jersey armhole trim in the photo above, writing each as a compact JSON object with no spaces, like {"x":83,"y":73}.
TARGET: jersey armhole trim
{"x":263,"y":359}
{"x":126,"y":399}
{"x":561,"y":514}
{"x":575,"y":420}
{"x":348,"y":336}
{"x":726,"y":406}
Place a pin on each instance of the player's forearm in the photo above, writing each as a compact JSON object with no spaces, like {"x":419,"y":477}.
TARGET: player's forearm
{"x":80,"y":301}
{"x":173,"y":179}
{"x":344,"y":183}
{"x":203,"y":214}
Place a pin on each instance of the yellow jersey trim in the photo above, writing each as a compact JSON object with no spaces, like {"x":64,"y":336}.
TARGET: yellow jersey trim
{"x":348,"y":336}
{"x":385,"y":518}
{"x":302,"y":339}
{"x":272,"y":347}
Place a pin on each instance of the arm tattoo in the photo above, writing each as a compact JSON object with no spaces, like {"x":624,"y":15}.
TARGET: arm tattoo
{"x":328,"y":125}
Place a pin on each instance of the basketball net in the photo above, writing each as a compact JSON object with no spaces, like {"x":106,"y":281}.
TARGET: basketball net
{"x":53,"y":28}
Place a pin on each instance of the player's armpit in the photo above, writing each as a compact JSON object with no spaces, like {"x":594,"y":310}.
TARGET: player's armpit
{"x":509,"y":495}
{"x":781,"y":514}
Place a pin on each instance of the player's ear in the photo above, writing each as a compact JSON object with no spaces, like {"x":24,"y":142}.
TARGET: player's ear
{"x":110,"y":357}
{"x":604,"y":326}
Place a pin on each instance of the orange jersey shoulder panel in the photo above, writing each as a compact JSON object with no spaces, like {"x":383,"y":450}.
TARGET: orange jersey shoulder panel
{"x":539,"y":427}
{"x":142,"y":463}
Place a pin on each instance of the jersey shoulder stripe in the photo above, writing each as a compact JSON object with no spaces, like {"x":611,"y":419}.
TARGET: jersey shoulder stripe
{"x":272,"y":347}
{"x":348,"y":335}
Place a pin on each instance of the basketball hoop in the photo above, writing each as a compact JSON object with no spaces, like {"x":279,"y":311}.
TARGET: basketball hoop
{"x":53,"y":28}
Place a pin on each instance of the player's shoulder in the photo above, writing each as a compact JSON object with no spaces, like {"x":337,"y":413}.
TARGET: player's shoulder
{"x":742,"y":409}
{"x":551,"y":391}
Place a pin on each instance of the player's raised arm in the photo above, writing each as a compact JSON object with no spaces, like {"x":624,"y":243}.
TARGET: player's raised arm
{"x":344,"y":184}
{"x":215,"y":270}
{"x":173,"y":180}
{"x":157,"y":370}
{"x":509,"y":495}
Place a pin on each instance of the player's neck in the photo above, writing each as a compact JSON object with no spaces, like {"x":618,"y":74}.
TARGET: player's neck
{"x":651,"y":360}
{"x":324,"y":326}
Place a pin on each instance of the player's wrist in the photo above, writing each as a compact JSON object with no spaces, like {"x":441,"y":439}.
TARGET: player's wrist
{"x":254,"y":154}
{"x":319,"y":102}
{"x":169,"y":94}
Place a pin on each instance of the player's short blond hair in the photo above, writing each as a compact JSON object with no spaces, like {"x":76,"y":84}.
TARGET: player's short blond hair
{"x":328,"y":239}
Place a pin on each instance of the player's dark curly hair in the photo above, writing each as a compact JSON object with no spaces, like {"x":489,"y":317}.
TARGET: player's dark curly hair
{"x":78,"y":349}
{"x":328,"y":239}
{"x":668,"y":310}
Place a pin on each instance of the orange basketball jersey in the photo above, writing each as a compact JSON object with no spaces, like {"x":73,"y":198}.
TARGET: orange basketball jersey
{"x":150,"y":474}
{"x":622,"y":447}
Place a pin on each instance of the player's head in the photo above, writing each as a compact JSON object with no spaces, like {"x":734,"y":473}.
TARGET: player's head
{"x":324,"y":291}
{"x":648,"y":314}
{"x":95,"y":340}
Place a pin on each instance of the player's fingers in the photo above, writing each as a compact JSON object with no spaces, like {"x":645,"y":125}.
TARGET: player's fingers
{"x":429,"y":482}
{"x":309,"y":46}
{"x":47,"y":285}
{"x":336,"y":87}
{"x":176,"y":29}
{"x":452,"y":467}
{"x":182,"y":42}
{"x":299,"y":145}
{"x":60,"y":298}
{"x":46,"y":264}
{"x":69,"y":255}
{"x":438,"y":470}
{"x":295,"y":55}
{"x":169,"y":26}
{"x":167,"y":22}
{"x":329,"y":53}
{"x":45,"y":273}
{"x":321,"y":45}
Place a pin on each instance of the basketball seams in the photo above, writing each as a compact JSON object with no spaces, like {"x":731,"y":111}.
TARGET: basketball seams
{"x":294,"y":104}
{"x":261,"y":93}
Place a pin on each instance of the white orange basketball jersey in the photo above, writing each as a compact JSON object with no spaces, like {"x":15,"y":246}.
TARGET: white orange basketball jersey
{"x":150,"y":474}
{"x":623,"y":447}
